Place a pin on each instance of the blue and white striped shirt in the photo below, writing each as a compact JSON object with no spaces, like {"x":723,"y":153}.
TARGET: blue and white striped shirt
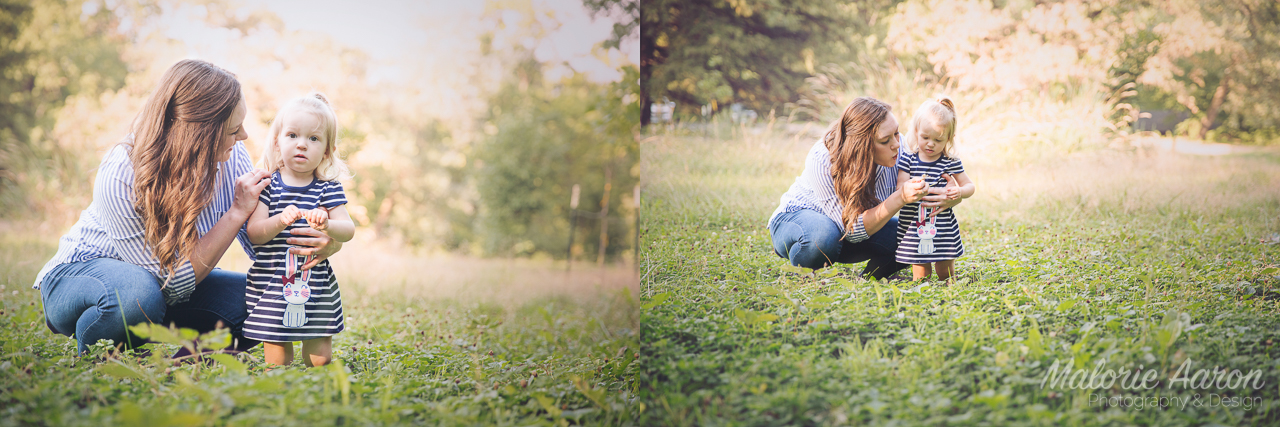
{"x":815,"y":190}
{"x":111,"y":228}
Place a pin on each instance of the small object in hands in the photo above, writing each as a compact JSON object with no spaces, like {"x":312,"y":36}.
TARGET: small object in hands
{"x":296,"y":290}
{"x":318,"y":219}
{"x":926,"y":229}
{"x":924,"y":191}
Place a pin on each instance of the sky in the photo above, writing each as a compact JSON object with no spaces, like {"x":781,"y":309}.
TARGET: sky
{"x":390,"y":29}
{"x":433,"y":44}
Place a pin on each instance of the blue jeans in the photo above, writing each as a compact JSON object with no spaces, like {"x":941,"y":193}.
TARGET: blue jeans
{"x":810,"y":239}
{"x":96,"y":299}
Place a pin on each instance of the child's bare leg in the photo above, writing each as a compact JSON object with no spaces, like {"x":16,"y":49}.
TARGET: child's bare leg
{"x":278,"y":353}
{"x":945,"y":269}
{"x":317,"y":352}
{"x":920,"y":271}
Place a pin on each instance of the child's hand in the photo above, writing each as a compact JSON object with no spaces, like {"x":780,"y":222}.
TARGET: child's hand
{"x":317,"y":218}
{"x":953,"y":187}
{"x":914,"y":190}
{"x":290,"y":214}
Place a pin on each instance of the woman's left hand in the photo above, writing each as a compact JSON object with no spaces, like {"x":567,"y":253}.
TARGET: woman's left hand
{"x":319,"y":244}
{"x":247,"y":189}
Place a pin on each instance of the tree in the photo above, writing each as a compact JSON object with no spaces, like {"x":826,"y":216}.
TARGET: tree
{"x":543,"y":138}
{"x":1131,"y":61}
{"x":755,"y":53}
{"x":50,"y":51}
{"x":1219,"y":59}
{"x":623,"y":29}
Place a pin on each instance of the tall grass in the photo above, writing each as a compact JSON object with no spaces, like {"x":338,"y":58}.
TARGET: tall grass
{"x":740,"y":171}
{"x":1020,"y":124}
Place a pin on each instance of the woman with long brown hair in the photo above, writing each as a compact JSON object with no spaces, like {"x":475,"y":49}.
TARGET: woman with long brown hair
{"x":841,"y":208}
{"x":167,"y":203}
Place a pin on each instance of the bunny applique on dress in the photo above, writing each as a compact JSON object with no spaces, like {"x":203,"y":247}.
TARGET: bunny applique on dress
{"x":296,"y":292}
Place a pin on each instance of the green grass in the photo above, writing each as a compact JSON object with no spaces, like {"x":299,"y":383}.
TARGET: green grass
{"x":1139,"y":259}
{"x":408,"y":356}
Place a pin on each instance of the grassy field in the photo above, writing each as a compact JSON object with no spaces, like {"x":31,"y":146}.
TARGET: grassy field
{"x":433,"y":340}
{"x":1139,"y":260}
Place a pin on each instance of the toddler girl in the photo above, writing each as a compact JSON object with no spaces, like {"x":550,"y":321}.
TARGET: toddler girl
{"x":288,"y":299}
{"x":928,"y":239}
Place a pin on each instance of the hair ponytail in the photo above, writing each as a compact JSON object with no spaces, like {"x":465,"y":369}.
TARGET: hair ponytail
{"x":939,"y":111}
{"x":946,"y":102}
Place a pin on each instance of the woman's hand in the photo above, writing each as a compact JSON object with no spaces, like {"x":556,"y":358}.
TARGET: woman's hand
{"x":914,"y":190}
{"x":943,"y":198}
{"x":952,"y":191}
{"x":248,"y":187}
{"x":318,"y":244}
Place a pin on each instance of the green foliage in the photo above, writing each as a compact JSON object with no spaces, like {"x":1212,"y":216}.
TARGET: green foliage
{"x":74,"y":74}
{"x":1221,"y":67}
{"x":1216,"y":61}
{"x":627,"y":25}
{"x":1151,"y":277}
{"x":755,"y":53}
{"x":49,"y":52}
{"x":425,"y":197}
{"x":544,"y":138}
{"x":1122,"y":78}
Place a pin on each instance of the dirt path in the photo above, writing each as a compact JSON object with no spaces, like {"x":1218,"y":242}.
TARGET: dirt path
{"x":373,"y":267}
{"x":1200,"y":148}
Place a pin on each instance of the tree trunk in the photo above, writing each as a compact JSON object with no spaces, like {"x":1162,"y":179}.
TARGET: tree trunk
{"x":604,"y":209}
{"x":645,"y":105}
{"x":1219,"y":95}
{"x":382,"y":218}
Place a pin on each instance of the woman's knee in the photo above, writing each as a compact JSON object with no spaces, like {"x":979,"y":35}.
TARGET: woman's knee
{"x":102,"y":288}
{"x":819,"y":248}
{"x":135,"y":294}
{"x":807,"y":238}
{"x":784,"y":235}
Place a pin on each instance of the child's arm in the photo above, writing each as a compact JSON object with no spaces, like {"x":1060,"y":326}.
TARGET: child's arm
{"x":263,"y":228}
{"x":902,"y":178}
{"x":335,"y":222}
{"x":967,"y":187}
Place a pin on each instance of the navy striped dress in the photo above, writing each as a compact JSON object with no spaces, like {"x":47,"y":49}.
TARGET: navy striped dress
{"x":946,"y":244}
{"x":264,"y":295}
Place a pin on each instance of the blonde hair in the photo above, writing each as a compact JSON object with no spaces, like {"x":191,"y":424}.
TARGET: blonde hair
{"x":332,"y":167}
{"x":941,"y":112}
{"x":851,"y":141}
{"x":174,"y":150}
